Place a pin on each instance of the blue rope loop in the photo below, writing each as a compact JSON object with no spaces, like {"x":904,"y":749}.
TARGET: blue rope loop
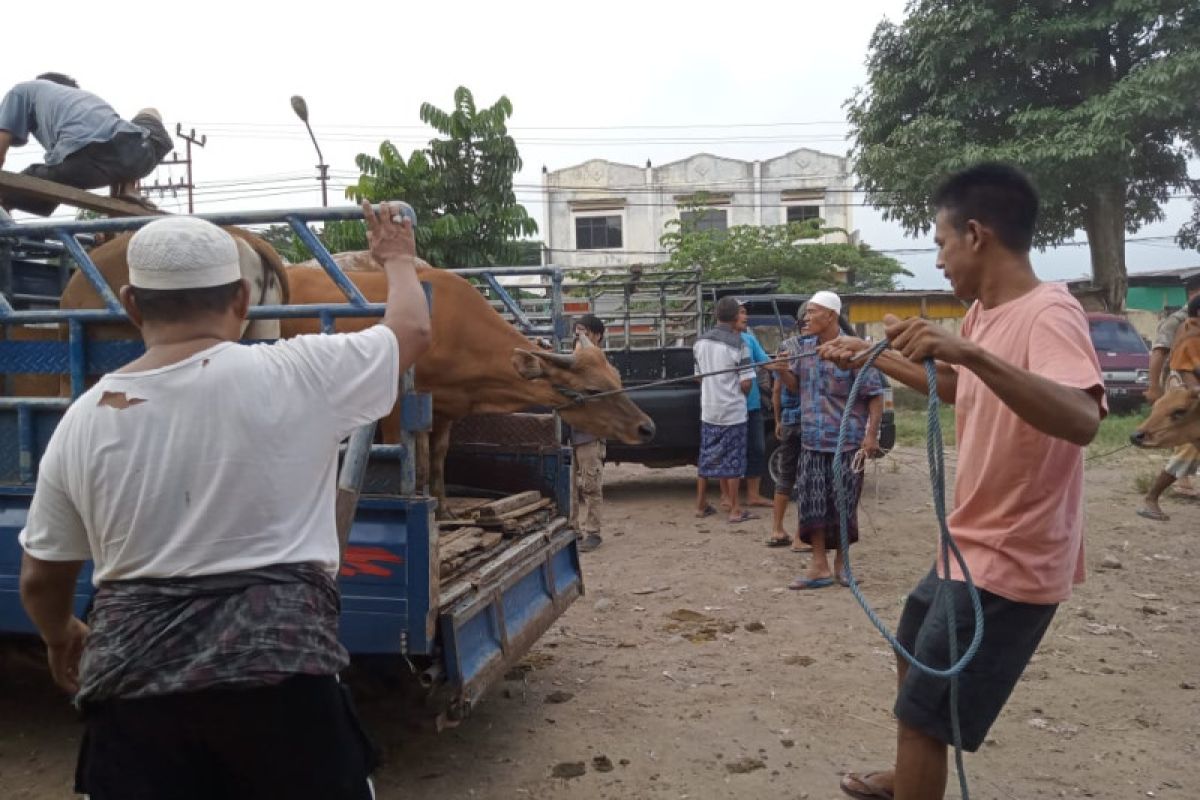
{"x":943,"y":597}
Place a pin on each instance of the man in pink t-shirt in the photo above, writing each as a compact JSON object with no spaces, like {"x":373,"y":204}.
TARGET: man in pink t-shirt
{"x":1028,"y":397}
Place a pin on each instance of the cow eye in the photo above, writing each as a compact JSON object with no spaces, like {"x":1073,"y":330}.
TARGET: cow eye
{"x":1178,"y":413}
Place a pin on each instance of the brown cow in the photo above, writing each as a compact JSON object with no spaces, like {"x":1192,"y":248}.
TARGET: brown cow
{"x":1173,"y":420}
{"x":480,"y":364}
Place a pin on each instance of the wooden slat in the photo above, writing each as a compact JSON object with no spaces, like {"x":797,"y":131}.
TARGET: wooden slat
{"x":13,"y":185}
{"x":494,"y":509}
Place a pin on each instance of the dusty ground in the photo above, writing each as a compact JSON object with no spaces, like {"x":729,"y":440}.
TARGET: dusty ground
{"x":708,"y":709}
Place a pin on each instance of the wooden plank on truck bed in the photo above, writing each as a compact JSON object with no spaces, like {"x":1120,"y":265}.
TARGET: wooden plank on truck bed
{"x":494,"y":509}
{"x":14,"y":184}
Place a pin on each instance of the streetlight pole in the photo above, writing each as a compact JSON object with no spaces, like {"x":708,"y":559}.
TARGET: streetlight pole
{"x":301,"y":109}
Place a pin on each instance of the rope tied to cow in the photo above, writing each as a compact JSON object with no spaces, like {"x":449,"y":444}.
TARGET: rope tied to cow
{"x":576,"y":397}
{"x":943,"y":597}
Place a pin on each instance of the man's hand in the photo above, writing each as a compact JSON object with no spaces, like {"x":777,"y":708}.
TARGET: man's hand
{"x":918,"y":339}
{"x":1154,"y":394}
{"x":870,"y":445}
{"x":63,"y":651}
{"x":387,"y":238}
{"x":843,"y":351}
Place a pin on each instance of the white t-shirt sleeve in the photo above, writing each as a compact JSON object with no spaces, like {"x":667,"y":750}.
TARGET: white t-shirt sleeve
{"x":357,"y":374}
{"x":54,"y":530}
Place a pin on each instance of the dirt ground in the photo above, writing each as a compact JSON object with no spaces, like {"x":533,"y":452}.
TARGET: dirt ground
{"x":689,"y":671}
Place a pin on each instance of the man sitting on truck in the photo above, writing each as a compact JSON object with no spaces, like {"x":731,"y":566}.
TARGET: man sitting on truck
{"x":721,"y":352}
{"x":199,"y":480}
{"x":87,"y":143}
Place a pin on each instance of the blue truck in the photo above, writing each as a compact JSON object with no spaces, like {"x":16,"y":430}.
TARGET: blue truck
{"x":442,"y":635}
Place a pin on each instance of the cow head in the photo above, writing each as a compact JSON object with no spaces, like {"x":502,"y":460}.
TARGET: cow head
{"x":578,"y":376}
{"x":1174,"y":420}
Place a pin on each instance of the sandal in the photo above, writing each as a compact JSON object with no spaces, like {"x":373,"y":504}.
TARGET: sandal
{"x":745,"y":516}
{"x":773,"y":542}
{"x":1150,"y":513}
{"x":707,"y":512}
{"x":861,"y":788}
{"x":801,"y":584}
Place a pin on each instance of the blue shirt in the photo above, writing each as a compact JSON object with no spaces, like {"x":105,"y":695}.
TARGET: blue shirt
{"x":757,"y":356}
{"x":61,"y":118}
{"x":824,"y":390}
{"x":789,"y":401}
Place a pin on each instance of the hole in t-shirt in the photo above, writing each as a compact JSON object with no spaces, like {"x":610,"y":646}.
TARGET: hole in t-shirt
{"x":119,"y":401}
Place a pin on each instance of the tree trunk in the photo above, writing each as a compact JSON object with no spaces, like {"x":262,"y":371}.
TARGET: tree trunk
{"x":1104,"y":221}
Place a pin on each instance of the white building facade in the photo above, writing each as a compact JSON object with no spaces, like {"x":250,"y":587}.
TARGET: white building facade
{"x":601,"y":213}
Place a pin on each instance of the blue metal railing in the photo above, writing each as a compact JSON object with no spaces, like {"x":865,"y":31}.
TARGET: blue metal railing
{"x":83,"y":358}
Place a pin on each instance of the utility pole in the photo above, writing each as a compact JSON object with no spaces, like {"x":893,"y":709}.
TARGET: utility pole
{"x":189,"y":184}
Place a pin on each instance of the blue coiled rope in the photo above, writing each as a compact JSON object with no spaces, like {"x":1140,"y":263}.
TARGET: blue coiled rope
{"x":943,"y":596}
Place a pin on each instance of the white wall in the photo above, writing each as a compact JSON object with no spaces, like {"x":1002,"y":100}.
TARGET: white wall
{"x":751,"y":193}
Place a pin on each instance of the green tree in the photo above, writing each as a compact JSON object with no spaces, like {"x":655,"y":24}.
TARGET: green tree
{"x":1096,"y":99}
{"x":461,"y":185}
{"x":789,"y":253}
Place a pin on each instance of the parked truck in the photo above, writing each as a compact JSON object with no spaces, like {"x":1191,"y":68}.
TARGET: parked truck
{"x":653,"y":317}
{"x":443,"y":616}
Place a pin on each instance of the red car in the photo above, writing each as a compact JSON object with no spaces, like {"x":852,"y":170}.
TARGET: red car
{"x":1124,"y":360}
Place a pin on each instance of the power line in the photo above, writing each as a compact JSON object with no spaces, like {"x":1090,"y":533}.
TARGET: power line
{"x":681,"y":126}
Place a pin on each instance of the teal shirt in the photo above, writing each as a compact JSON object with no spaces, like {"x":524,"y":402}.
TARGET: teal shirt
{"x":757,"y":356}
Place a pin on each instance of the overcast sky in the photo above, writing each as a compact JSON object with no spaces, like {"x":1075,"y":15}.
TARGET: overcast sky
{"x":744,"y":80}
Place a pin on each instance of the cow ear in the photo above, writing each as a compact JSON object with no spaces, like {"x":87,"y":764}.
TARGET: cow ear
{"x":527,"y":364}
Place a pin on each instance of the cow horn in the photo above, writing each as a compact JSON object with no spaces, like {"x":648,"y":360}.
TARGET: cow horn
{"x":585,"y":341}
{"x":561,"y":360}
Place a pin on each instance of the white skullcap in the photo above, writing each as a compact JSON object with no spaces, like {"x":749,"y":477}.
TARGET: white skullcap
{"x":182,"y":253}
{"x":828,"y":300}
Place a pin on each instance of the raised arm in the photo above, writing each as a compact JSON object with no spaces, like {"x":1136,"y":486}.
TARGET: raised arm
{"x":407,"y":315}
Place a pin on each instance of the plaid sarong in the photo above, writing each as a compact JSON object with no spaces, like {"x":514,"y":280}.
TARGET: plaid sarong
{"x":240,"y":630}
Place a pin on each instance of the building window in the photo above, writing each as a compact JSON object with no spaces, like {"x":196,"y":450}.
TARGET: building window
{"x":598,"y":233}
{"x":709,"y":219}
{"x":802,"y":213}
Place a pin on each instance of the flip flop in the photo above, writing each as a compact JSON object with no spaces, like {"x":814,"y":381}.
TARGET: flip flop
{"x":801,"y":584}
{"x":1157,"y":516}
{"x":745,"y":516}
{"x":707,"y":512}
{"x":773,"y":542}
{"x":805,"y":548}
{"x":868,"y":791}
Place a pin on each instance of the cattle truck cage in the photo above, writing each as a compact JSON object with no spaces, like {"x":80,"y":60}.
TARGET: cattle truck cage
{"x":459,"y":637}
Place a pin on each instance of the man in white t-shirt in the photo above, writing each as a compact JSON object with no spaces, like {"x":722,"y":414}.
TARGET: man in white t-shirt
{"x":200,"y":481}
{"x":723,"y":412}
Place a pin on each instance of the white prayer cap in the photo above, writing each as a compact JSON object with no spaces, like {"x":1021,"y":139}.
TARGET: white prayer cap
{"x":182,"y":253}
{"x":828,"y":300}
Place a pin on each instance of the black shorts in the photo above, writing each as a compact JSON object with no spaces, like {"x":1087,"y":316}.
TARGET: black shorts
{"x":789,"y":446}
{"x":1011,"y":633}
{"x":756,"y":445}
{"x":298,"y":739}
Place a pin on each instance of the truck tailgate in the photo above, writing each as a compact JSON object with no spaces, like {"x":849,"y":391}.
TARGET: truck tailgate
{"x":490,"y":619}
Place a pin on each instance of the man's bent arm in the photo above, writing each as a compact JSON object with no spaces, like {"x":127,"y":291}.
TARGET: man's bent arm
{"x":912,"y":375}
{"x":1063,"y":412}
{"x":1158,"y":362}
{"x":48,"y":595}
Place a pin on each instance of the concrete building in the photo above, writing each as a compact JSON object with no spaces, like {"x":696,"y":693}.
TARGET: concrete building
{"x":601,"y":213}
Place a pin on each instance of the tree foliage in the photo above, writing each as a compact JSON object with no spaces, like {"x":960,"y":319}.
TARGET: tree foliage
{"x":788,"y":253}
{"x":1095,"y":99}
{"x":461,"y":185}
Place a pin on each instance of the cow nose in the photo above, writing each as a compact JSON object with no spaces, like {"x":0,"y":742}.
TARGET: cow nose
{"x":646,"y":431}
{"x":1137,"y":438}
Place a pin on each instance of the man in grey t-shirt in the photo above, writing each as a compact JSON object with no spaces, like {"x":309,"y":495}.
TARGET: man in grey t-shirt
{"x":88,"y":145}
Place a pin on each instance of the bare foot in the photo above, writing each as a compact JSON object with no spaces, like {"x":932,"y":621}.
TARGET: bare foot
{"x":760,"y":501}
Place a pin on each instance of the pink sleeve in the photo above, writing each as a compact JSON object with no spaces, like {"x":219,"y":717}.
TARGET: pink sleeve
{"x":1060,"y":349}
